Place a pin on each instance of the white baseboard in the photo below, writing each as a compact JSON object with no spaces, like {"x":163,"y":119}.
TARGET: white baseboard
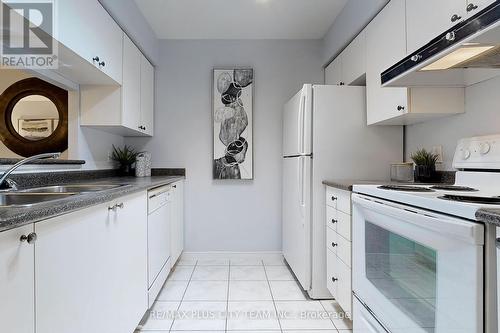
{"x":231,"y":255}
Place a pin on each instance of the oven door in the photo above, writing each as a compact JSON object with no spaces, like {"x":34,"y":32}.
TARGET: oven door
{"x":415,"y":270}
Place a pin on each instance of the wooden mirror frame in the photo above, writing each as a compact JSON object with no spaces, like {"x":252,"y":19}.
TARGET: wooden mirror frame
{"x":57,"y":141}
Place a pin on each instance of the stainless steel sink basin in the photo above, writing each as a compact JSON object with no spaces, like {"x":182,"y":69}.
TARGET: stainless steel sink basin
{"x":71,"y":188}
{"x":29,"y":199}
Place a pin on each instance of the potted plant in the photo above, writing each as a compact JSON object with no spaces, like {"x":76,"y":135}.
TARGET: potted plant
{"x":126,"y":158}
{"x":425,"y":165}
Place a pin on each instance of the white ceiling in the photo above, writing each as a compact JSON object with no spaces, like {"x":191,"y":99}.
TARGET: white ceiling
{"x":240,"y":19}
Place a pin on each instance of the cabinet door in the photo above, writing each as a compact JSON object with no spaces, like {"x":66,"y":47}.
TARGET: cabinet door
{"x":131,"y":86}
{"x":147,"y":95}
{"x":333,"y":72}
{"x":474,"y":6}
{"x":127,"y":262}
{"x":437,"y":16}
{"x":385,"y":45}
{"x":177,"y":232}
{"x":331,"y":273}
{"x":91,"y":266}
{"x":86,"y":28}
{"x":344,"y":287}
{"x":72,"y":276}
{"x":17,"y":308}
{"x":354,"y":60}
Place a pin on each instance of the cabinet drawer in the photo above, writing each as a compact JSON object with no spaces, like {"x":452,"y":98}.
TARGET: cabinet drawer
{"x":343,"y":225}
{"x":331,"y":263}
{"x":339,"y":199}
{"x":343,"y":250}
{"x":332,"y":217}
{"x":331,"y":240}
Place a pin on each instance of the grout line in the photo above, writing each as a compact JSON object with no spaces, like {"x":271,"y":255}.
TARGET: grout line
{"x":335,"y":326}
{"x":227,"y":295}
{"x":272,"y":296}
{"x":184,"y":293}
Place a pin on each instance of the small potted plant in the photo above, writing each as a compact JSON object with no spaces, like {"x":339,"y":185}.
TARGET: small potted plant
{"x":126,"y":158}
{"x":425,"y":165}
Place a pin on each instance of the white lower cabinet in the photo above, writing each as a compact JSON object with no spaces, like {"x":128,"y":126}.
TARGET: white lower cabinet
{"x":177,"y":225}
{"x":17,"y":288}
{"x":91,"y":269}
{"x":339,"y":247}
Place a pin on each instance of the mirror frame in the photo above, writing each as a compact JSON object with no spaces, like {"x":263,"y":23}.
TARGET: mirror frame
{"x":57,"y":141}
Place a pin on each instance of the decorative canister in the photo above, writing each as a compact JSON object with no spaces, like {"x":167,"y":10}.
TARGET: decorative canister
{"x":143,"y":165}
{"x":402,"y":172}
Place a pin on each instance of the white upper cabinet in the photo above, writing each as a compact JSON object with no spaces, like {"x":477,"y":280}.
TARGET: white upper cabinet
{"x":89,"y":31}
{"x":426,"y":19}
{"x":354,"y":61}
{"x":127,"y":110}
{"x":147,"y":96}
{"x":333,"y":72}
{"x":131,"y":87}
{"x":385,"y":46}
{"x":349,"y":67}
{"x":17,"y":281}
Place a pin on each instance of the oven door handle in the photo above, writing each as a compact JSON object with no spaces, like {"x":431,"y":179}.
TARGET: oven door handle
{"x":469,"y":232}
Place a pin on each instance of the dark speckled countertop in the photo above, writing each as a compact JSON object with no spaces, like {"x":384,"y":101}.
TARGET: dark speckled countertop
{"x":489,"y":215}
{"x":13,"y":217}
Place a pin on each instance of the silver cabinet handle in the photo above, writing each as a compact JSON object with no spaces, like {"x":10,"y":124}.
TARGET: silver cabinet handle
{"x":30,"y":239}
{"x":416,"y":58}
{"x":113,"y":208}
{"x":471,"y":7}
{"x":334,"y":198}
{"x":334,"y":221}
{"x":120,"y":205}
{"x":455,"y":18}
{"x":102,"y":64}
{"x":334,"y":279}
{"x":95,"y":59}
{"x":334,"y":244}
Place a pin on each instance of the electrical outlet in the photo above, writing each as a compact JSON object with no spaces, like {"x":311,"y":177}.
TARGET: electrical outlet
{"x":438,"y":150}
{"x":109,"y":155}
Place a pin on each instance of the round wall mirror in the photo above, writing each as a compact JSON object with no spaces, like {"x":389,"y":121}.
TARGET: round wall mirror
{"x":34,"y":117}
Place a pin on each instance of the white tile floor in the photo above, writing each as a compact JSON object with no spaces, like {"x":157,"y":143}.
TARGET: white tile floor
{"x":244,"y":295}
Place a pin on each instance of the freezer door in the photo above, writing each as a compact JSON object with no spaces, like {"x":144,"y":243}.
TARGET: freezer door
{"x":297,"y":123}
{"x":297,"y":217}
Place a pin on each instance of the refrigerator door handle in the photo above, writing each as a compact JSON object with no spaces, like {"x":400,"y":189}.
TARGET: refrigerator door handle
{"x":302,"y":202}
{"x":301,"y":123}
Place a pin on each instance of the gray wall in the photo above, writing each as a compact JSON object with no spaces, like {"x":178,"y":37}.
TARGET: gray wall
{"x":131,"y":20}
{"x":351,"y":21}
{"x":227,"y":215}
{"x":481,"y":117}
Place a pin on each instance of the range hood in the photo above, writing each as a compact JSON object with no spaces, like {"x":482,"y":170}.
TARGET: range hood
{"x":465,"y":54}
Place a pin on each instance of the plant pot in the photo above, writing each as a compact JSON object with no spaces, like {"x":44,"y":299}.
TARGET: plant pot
{"x":425,"y":173}
{"x":126,"y":170}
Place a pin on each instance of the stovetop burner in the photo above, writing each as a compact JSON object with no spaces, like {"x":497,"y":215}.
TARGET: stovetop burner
{"x":472,"y":199}
{"x":454,"y":188}
{"x":405,"y":188}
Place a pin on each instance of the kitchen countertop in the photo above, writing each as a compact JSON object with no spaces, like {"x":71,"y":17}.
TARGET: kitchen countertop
{"x":489,"y":215}
{"x":446,"y":177}
{"x":49,"y":161}
{"x":13,"y":217}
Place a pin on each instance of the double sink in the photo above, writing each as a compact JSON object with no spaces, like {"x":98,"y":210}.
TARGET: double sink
{"x":33,"y":196}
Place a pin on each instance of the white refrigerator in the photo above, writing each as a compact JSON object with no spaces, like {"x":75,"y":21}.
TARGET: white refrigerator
{"x":325,"y":137}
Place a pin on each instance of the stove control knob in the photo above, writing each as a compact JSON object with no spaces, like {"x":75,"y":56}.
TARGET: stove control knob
{"x":465,"y":154}
{"x":484,"y":148}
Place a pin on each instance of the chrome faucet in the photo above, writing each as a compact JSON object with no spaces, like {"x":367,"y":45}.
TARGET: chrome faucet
{"x":11,"y":184}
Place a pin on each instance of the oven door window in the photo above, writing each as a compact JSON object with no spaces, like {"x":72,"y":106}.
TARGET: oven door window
{"x":404,"y":271}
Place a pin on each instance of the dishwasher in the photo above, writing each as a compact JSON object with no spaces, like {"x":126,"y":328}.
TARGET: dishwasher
{"x":159,"y":216}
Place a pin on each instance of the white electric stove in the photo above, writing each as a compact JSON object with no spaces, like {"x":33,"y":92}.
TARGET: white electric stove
{"x":422,"y":262}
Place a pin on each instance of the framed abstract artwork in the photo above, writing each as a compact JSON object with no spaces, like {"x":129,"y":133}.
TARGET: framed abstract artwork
{"x":233,"y":123}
